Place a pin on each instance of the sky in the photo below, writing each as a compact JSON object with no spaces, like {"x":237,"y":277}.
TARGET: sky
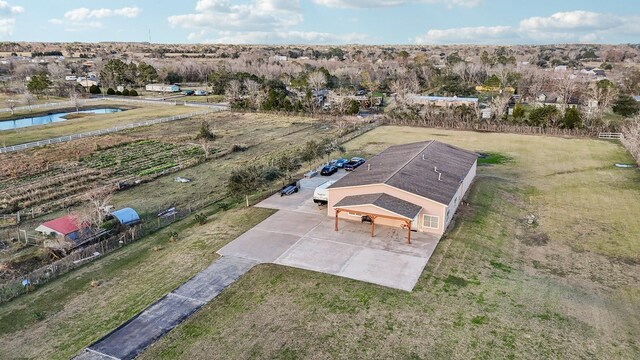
{"x":322,"y":21}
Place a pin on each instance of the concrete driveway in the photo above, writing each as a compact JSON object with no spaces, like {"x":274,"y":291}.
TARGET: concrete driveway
{"x":301,"y":235}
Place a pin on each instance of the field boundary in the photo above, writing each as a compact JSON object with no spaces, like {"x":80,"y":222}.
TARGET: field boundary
{"x":48,"y":105}
{"x":29,"y":145}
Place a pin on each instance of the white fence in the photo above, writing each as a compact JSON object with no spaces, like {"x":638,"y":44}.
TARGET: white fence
{"x":47,"y":105}
{"x":8,"y":149}
{"x":609,"y":135}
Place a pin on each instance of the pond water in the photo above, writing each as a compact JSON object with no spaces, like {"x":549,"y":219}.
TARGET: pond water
{"x":50,"y":118}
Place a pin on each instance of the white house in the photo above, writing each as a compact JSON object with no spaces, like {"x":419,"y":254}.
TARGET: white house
{"x":163,"y":88}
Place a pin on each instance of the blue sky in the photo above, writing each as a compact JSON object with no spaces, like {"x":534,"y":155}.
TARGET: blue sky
{"x":322,"y":21}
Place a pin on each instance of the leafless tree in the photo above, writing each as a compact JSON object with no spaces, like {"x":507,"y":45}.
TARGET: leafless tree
{"x":253,"y":92}
{"x":233,"y":90}
{"x":29,"y":100}
{"x":75,"y":99}
{"x":499,"y":106}
{"x":12,"y":104}
{"x":97,"y":201}
{"x":317,"y":80}
{"x":533,"y":81}
{"x":565,"y":84}
{"x":631,"y":137}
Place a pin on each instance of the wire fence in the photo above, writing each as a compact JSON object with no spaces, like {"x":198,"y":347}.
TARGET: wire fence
{"x":20,"y":147}
{"x":48,"y":105}
{"x":150,"y":224}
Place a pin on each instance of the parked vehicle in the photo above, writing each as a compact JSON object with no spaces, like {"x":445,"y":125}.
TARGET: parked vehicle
{"x":353,"y":163}
{"x":291,"y":188}
{"x":328,"y":170}
{"x":188,"y":92}
{"x":320,"y":194}
{"x":339,"y":163}
{"x":200,"y":93}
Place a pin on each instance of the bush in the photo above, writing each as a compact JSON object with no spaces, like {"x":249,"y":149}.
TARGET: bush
{"x":119,"y":93}
{"x":133,"y":93}
{"x":626,"y":106}
{"x":518,"y":112}
{"x":271,"y":174}
{"x":239,"y":148}
{"x":352,"y":107}
{"x":125,"y":92}
{"x":205,"y":132}
{"x":201,"y":218}
{"x":572,"y":119}
{"x":110,"y":91}
{"x":95,"y":89}
{"x":542,"y":116}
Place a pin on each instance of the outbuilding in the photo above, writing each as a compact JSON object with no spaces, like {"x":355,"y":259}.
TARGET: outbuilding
{"x":126,"y":216}
{"x":415,"y":186}
{"x":163,"y":88}
{"x":66,"y":227}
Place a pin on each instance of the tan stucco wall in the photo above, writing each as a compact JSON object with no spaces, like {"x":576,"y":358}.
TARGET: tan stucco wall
{"x":429,"y":207}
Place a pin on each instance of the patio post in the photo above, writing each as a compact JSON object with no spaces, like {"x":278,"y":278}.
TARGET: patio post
{"x":409,"y":233}
{"x":337,"y":212}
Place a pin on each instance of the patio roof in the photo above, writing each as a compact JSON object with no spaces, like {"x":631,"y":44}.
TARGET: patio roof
{"x":387,"y":202}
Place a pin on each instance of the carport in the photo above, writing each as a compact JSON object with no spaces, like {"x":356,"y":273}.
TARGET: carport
{"x":378,"y":205}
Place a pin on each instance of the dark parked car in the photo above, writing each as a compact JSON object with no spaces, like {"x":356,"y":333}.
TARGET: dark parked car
{"x":339,"y":163}
{"x":328,"y":170}
{"x":188,"y":92}
{"x":291,"y":188}
{"x":353,"y":163}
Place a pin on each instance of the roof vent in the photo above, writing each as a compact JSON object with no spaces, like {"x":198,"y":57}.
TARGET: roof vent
{"x":368,"y":167}
{"x":423,"y":157}
{"x":435,"y":168}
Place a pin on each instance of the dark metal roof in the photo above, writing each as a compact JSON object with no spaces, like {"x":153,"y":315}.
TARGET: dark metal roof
{"x":412,"y":168}
{"x":384,"y":201}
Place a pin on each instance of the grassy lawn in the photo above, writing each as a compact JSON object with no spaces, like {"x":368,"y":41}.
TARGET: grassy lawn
{"x":565,"y":286}
{"x":58,"y":320}
{"x":92,"y":122}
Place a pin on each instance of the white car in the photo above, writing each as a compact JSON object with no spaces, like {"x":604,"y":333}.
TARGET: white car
{"x":320,"y":194}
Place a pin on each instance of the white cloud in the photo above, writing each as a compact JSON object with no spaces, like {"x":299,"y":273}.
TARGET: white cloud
{"x":258,"y":21}
{"x":478,"y":34}
{"x":7,"y":19}
{"x":83,"y":14}
{"x":388,"y":3}
{"x":258,"y":15}
{"x":572,"y":26}
{"x":289,"y":37}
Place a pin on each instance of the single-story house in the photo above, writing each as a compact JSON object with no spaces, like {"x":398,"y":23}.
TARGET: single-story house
{"x":126,"y":216}
{"x":66,"y":227}
{"x":415,"y":186}
{"x":445,"y":101}
{"x":163,"y":88}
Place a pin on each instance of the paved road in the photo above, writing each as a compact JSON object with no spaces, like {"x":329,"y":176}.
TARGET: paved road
{"x":132,"y":337}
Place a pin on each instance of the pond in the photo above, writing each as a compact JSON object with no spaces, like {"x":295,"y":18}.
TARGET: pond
{"x":50,"y":118}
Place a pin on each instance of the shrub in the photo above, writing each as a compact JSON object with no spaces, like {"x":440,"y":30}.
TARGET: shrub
{"x":110,"y":91}
{"x":125,"y":92}
{"x":95,"y":89}
{"x":239,"y":148}
{"x":626,"y":106}
{"x":119,"y":93}
{"x":518,"y":112}
{"x":205,"y":132}
{"x":201,"y":218}
{"x":352,"y":107}
{"x":572,"y":119}
{"x":271,"y":174}
{"x":542,"y":116}
{"x":133,"y":93}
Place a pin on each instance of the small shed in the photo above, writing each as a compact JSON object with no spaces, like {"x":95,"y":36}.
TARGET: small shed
{"x":126,"y":216}
{"x":66,"y":226}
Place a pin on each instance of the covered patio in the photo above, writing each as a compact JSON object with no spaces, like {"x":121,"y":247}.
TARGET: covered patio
{"x":378,"y":206}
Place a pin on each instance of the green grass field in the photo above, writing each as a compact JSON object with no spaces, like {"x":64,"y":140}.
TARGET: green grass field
{"x":565,"y":286}
{"x":92,"y":122}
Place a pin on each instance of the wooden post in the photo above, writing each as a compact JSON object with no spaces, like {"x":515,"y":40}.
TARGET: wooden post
{"x":337,"y":212}
{"x":372,"y":226}
{"x":409,"y":233}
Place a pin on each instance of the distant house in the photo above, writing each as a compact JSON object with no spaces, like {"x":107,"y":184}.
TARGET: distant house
{"x":71,"y":78}
{"x":416,"y":186}
{"x":593,"y":72}
{"x":87,"y":81}
{"x":560,"y":68}
{"x":65,"y":227}
{"x":279,"y":58}
{"x":446,"y":101}
{"x":163,"y":88}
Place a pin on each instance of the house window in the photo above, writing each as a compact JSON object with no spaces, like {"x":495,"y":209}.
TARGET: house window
{"x":353,"y":214}
{"x":430,"y":221}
